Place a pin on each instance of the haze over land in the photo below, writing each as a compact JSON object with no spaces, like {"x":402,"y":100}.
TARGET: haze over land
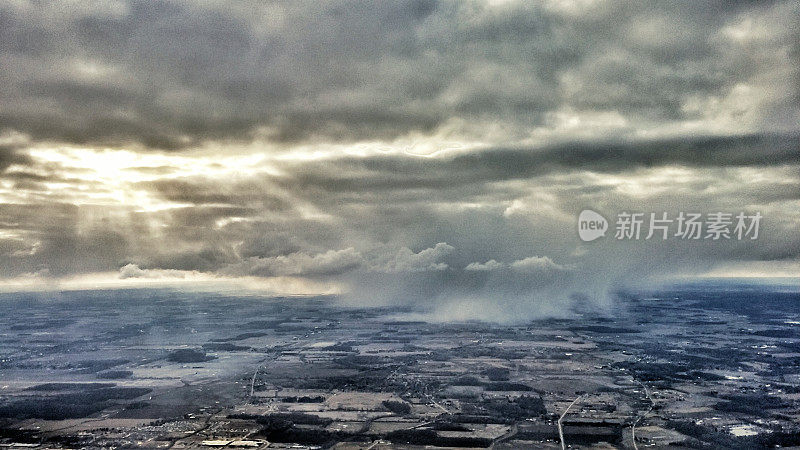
{"x":433,"y":153}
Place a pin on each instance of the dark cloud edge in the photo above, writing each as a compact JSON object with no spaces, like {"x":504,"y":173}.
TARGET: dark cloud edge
{"x":508,"y":163}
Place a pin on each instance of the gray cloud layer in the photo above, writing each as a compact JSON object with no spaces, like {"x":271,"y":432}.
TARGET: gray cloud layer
{"x":543,"y":109}
{"x":173,"y":74}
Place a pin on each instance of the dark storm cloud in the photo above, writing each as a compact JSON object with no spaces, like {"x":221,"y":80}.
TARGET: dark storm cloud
{"x":60,"y":245}
{"x":200,"y":191}
{"x":171,"y":75}
{"x":7,"y":156}
{"x":402,"y":172}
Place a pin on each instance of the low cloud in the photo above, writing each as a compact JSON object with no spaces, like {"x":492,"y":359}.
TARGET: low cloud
{"x":332,"y":262}
{"x":405,"y":260}
{"x":531,"y":265}
{"x":133,"y":271}
{"x":382,"y":259}
{"x":536,"y":264}
{"x":488,"y":266}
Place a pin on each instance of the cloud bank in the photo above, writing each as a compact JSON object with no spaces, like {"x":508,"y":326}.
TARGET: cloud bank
{"x":430,"y":154}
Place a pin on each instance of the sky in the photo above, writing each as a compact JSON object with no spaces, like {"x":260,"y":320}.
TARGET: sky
{"x":426,"y":153}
